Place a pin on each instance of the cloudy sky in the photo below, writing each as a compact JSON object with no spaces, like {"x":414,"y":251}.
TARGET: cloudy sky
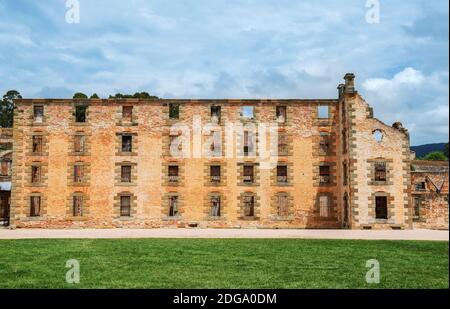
{"x":236,"y":49}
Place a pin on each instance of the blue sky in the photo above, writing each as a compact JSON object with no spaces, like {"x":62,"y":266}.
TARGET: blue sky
{"x":236,"y":49}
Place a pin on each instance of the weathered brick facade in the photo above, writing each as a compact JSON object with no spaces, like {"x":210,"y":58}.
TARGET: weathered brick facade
{"x":130,"y":179}
{"x":429,"y":197}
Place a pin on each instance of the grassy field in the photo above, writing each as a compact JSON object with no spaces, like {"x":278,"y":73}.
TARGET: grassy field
{"x":223,"y":263}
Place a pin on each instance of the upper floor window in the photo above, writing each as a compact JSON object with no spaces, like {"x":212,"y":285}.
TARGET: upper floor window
{"x":323,"y":111}
{"x":345,"y":170}
{"x":324,"y":144}
{"x":35,"y":174}
{"x":127,"y":113}
{"x":248,"y":173}
{"x":420,"y":186}
{"x":282,"y":144}
{"x":324,"y":174}
{"x":174,"y":111}
{"x":37,"y":143}
{"x":281,"y":114}
{"x":248,"y":143}
{"x":5,"y":168}
{"x":125,"y":173}
{"x":80,"y":113}
{"x":248,"y":112}
{"x":215,"y":173}
{"x":38,"y":113}
{"x":173,"y":173}
{"x":282,"y":174}
{"x":78,"y":173}
{"x":380,"y":171}
{"x":79,"y":141}
{"x":215,"y":114}
{"x":127,"y":143}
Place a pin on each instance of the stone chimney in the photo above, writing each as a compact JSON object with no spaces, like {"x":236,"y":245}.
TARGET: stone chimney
{"x":349,"y":83}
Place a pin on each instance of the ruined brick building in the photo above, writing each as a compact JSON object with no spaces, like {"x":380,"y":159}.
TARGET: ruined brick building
{"x":110,"y":163}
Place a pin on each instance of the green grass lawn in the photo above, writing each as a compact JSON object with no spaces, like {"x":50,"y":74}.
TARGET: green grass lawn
{"x":223,"y":263}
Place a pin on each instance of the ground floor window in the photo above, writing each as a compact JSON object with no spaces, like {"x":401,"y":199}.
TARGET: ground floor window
{"x":249,"y":206}
{"x":77,"y":206}
{"x":215,"y":206}
{"x":381,"y":210}
{"x":173,"y":206}
{"x":35,"y":206}
{"x":417,"y":207}
{"x":125,"y":206}
{"x":324,"y":206}
{"x":282,"y":205}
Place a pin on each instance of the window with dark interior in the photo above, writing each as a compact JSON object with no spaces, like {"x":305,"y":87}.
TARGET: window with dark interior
{"x":215,"y":206}
{"x":324,"y":143}
{"x":380,"y":171}
{"x":345,"y":170}
{"x":417,"y":206}
{"x":80,"y":113}
{"x":173,"y":173}
{"x":215,"y":114}
{"x":174,"y":111}
{"x":125,"y":206}
{"x":249,"y":205}
{"x":78,"y":173}
{"x":38,"y":113}
{"x":125,"y":173}
{"x":127,"y":113}
{"x":215,"y":173}
{"x":127,"y":142}
{"x":281,"y":114}
{"x":77,"y":206}
{"x":381,"y":211}
{"x":324,"y":174}
{"x":173,"y":206}
{"x":35,"y":174}
{"x":37,"y":143}
{"x":282,"y":174}
{"x":35,"y":206}
{"x":248,"y":173}
{"x":420,"y":186}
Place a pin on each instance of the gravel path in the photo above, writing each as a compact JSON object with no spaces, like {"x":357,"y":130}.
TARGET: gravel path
{"x":225,"y":233}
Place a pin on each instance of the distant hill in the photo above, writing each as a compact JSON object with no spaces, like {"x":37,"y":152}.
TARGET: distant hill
{"x":423,"y":150}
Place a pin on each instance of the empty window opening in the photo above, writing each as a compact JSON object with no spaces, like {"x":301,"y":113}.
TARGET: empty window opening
{"x":174,"y":111}
{"x":248,"y":143}
{"x":381,"y":210}
{"x":323,"y":111}
{"x":127,"y":113}
{"x":77,"y":206}
{"x":248,"y":173}
{"x":125,"y":173}
{"x":324,"y":174}
{"x":35,"y":206}
{"x":215,"y":146}
{"x":78,"y":173}
{"x":127,"y":143}
{"x":281,"y":114}
{"x":248,"y":112}
{"x":215,"y":206}
{"x":215,"y":114}
{"x":324,"y":206}
{"x":35,"y":174}
{"x":37,"y":143}
{"x":173,"y":173}
{"x":417,"y":207}
{"x":173,"y":206}
{"x":378,"y":135}
{"x":282,"y":205}
{"x":5,"y":168}
{"x":249,"y":206}
{"x":125,"y":206}
{"x":215,"y":173}
{"x":79,"y":143}
{"x":420,"y":186}
{"x":80,"y":113}
{"x":324,"y":142}
{"x":380,"y":171}
{"x":282,"y":176}
{"x":344,"y":141}
{"x":38,"y":113}
{"x":282,"y":144}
